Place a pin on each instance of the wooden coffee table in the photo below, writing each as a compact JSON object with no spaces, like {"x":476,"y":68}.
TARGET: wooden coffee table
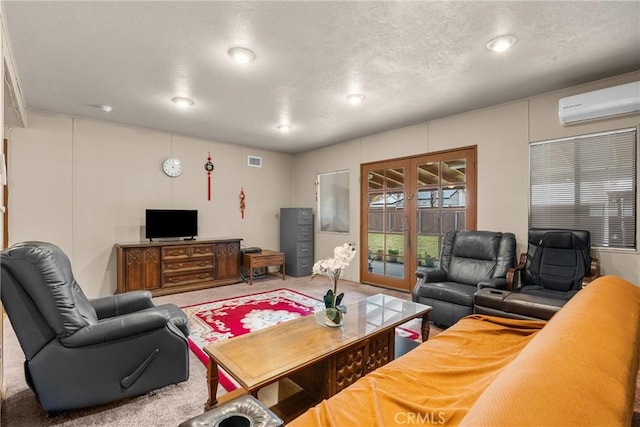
{"x":319,"y":359}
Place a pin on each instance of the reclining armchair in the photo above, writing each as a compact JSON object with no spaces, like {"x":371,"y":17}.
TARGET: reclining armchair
{"x":468,"y":260}
{"x":81,"y":353}
{"x":556,"y":266}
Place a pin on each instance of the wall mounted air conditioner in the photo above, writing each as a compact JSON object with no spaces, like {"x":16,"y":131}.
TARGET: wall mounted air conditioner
{"x":599,"y":104}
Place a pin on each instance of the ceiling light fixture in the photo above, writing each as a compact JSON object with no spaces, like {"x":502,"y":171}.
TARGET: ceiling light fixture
{"x":355,"y":98}
{"x":106,"y":109}
{"x":284,"y":128}
{"x":182,"y":102}
{"x":502,"y":43}
{"x":241,"y":54}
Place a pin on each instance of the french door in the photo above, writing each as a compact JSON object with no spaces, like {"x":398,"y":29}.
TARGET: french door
{"x":407,"y":206}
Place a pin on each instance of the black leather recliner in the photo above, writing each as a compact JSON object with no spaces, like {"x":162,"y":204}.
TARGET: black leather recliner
{"x":541,"y":295}
{"x":468,"y":259}
{"x":79,"y":352}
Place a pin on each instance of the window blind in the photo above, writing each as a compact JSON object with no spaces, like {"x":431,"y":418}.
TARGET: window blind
{"x":586,"y":182}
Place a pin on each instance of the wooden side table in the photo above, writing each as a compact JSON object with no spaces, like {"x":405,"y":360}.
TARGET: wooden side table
{"x":266,"y":258}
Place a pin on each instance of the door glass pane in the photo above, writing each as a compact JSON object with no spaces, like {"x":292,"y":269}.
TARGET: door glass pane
{"x":428,"y":174}
{"x":375,"y":252}
{"x":394,"y":263}
{"x":375,"y":213}
{"x":394,"y":212}
{"x":456,"y":220}
{"x":375,"y":180}
{"x":427,"y":253}
{"x":428,"y":198}
{"x":454,"y":196}
{"x":454,"y":171}
{"x":428,"y":222}
{"x":395,"y":178}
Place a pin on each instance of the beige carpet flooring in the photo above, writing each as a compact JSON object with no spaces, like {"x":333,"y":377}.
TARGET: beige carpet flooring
{"x":173,"y":404}
{"x":168,"y":406}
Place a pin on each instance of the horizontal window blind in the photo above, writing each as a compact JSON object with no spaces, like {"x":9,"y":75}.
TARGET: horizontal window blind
{"x":586,"y":182}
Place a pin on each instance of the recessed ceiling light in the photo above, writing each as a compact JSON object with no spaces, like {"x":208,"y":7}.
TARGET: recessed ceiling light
{"x":502,"y":43}
{"x":106,"y":108}
{"x":355,"y":98}
{"x":284,"y":128}
{"x":242,"y":54}
{"x":182,"y":102}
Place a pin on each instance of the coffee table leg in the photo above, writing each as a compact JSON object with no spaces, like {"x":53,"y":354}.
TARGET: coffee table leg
{"x":425,"y":327}
{"x":212,"y":382}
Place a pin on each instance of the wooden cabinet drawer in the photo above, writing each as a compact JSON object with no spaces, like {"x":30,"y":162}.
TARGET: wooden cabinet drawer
{"x":187,"y":265}
{"x":181,"y":279}
{"x":266,"y":261}
{"x":186,"y":251}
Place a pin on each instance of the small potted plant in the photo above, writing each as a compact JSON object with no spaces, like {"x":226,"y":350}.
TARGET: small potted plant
{"x":393,"y":255}
{"x":379,"y":255}
{"x":333,"y":268}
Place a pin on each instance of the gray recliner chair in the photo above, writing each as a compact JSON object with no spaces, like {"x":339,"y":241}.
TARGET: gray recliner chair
{"x":79,"y":352}
{"x":555,"y":268}
{"x":469,"y":260}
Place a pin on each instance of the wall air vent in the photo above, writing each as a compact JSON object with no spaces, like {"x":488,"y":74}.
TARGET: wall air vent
{"x":254,"y":161}
{"x":612,"y":101}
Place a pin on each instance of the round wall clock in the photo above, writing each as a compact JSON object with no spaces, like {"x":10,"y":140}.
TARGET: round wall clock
{"x":172,"y":167}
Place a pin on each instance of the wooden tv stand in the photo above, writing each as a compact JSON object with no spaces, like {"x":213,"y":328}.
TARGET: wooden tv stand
{"x":177,"y":266}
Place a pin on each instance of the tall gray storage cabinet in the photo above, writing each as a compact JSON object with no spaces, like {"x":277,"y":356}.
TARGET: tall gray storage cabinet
{"x":296,"y":240}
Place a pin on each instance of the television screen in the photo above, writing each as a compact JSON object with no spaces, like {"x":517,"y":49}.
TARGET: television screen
{"x":163,"y":223}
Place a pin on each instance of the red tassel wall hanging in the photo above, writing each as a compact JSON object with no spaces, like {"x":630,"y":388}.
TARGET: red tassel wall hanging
{"x":242,"y":205}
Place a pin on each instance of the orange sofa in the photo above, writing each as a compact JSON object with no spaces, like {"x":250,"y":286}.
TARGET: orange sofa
{"x":579,"y":368}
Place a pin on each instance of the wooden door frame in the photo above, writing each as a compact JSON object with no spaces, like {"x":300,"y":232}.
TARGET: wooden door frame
{"x":408,"y":162}
{"x":386,"y":281}
{"x":5,"y":196}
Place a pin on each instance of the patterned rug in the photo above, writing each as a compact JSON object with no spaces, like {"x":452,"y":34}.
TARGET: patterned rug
{"x":220,"y":320}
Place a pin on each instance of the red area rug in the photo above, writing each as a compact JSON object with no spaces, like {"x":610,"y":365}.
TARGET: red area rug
{"x":220,"y":320}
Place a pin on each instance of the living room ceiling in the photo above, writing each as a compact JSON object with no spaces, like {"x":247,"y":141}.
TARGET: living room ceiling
{"x":413,"y":62}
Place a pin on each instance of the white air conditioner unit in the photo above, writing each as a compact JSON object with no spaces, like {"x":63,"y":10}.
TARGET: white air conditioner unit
{"x":601,"y":103}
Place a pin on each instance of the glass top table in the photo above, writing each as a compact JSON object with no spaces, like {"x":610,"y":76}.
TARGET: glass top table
{"x":262,"y":357}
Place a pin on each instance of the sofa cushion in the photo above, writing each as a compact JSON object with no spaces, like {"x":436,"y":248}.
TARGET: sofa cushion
{"x":441,"y":379}
{"x":474,"y":256}
{"x":536,"y":306}
{"x":457,"y":293}
{"x":581,"y":369}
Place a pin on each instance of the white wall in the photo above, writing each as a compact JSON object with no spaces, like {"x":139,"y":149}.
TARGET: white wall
{"x":84,"y":185}
{"x":502,"y":134}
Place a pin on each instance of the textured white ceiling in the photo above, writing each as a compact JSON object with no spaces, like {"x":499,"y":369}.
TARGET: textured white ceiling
{"x":414,"y":61}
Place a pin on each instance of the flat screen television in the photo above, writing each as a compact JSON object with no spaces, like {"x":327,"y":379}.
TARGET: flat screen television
{"x":171,"y":223}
